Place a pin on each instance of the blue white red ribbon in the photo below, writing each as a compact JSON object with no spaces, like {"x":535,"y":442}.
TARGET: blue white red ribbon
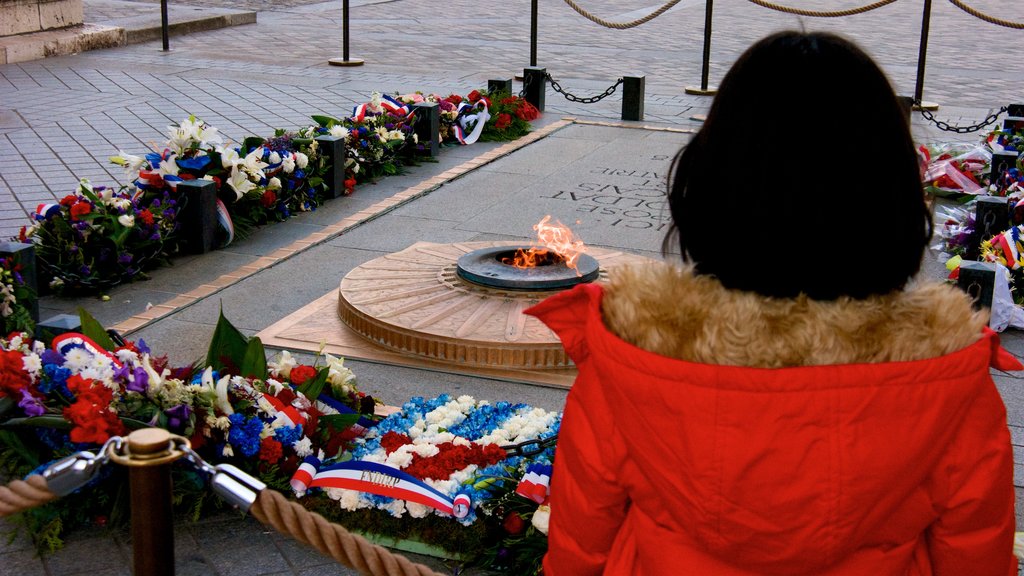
{"x":304,"y":475}
{"x":290,"y":413}
{"x":343,"y":409}
{"x":465,"y":117}
{"x":44,"y":211}
{"x":66,"y":342}
{"x":536,"y":483}
{"x":375,"y":478}
{"x":224,"y":218}
{"x":388,"y":103}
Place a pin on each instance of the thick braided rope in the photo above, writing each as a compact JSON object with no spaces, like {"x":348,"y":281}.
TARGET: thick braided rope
{"x":623,"y":25}
{"x":819,"y":13}
{"x":986,"y":17}
{"x":273,"y":509}
{"x":22,"y":495}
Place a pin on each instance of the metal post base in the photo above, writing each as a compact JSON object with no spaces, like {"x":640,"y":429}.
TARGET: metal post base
{"x":344,"y":62}
{"x":697,"y":91}
{"x":925,"y":105}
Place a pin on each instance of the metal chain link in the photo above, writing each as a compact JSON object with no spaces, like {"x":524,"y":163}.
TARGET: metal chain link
{"x":941,"y":125}
{"x":530,"y":447}
{"x":573,"y":98}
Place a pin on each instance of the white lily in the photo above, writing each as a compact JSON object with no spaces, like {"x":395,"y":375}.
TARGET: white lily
{"x":228,"y":157}
{"x":254,"y":161}
{"x":221,"y":389}
{"x":207,"y":135}
{"x":126,"y":220}
{"x":240,"y":182}
{"x":131,"y":163}
{"x":169,"y":167}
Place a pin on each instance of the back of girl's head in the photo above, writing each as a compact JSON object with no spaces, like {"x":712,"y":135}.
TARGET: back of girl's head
{"x":804,"y":177}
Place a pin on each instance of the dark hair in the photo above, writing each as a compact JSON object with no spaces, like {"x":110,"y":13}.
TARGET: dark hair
{"x":804,"y":177}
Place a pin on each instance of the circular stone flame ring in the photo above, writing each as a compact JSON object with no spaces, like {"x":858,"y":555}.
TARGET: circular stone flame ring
{"x":487,"y":267}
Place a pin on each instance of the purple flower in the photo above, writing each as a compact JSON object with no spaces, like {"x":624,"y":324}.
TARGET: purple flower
{"x":52,"y":357}
{"x":142,"y":347}
{"x":124,"y":259}
{"x":139,"y":382}
{"x":177,"y":416}
{"x":30,"y":405}
{"x":84,"y":270}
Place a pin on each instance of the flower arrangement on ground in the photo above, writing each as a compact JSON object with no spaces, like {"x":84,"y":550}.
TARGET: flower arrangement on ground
{"x":84,"y":389}
{"x":97,"y":237}
{"x":16,"y":297}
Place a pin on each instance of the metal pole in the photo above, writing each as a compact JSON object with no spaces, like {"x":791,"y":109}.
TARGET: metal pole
{"x":533,"y":33}
{"x":345,"y":60}
{"x":163,"y":25}
{"x":704,"y":90}
{"x":344,"y":30}
{"x":152,"y":514}
{"x":705,"y":69}
{"x":922,"y":54}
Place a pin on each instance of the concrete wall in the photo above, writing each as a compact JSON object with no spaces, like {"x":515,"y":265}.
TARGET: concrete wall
{"x":27,"y":16}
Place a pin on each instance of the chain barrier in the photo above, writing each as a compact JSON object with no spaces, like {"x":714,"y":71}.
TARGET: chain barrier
{"x":941,"y":125}
{"x":530,"y":447}
{"x":624,"y":25}
{"x":821,"y":13}
{"x":573,"y":98}
{"x":990,"y":19}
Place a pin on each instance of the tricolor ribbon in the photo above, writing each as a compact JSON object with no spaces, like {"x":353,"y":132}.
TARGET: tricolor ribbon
{"x":44,"y":211}
{"x":375,"y":478}
{"x":66,"y":342}
{"x":464,"y":118}
{"x":388,"y":103}
{"x":304,"y":475}
{"x":343,"y":409}
{"x":290,"y":413}
{"x":224,"y":219}
{"x":536,"y":483}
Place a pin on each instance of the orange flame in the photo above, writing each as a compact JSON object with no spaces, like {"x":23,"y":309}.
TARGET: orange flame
{"x":555,"y":242}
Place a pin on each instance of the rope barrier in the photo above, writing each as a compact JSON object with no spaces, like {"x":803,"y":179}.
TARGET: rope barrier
{"x":287,"y":517}
{"x":986,"y":17}
{"x":625,"y":25}
{"x":22,"y":495}
{"x":819,"y":13}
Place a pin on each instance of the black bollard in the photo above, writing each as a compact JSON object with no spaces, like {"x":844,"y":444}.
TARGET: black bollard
{"x":535,"y":83}
{"x":992,"y":216}
{"x":164,"y":32}
{"x":198,"y":217}
{"x":500,"y":86}
{"x":25,"y":255}
{"x":428,"y":126}
{"x":978,"y":280}
{"x":922,"y":55}
{"x":333,"y":149}
{"x":704,"y":89}
{"x":1001,"y":162}
{"x":54,"y":326}
{"x":633,"y":97}
{"x":345,"y":60}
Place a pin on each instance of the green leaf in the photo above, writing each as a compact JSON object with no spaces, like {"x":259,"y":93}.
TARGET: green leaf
{"x":133,"y":424}
{"x":228,"y":347}
{"x":11,"y":440}
{"x":325,"y":121}
{"x":6,"y":403}
{"x":314,"y":386}
{"x":254,"y":364}
{"x":338,"y":421}
{"x":251,"y":143}
{"x":92,"y":329}
{"x":44,"y":421}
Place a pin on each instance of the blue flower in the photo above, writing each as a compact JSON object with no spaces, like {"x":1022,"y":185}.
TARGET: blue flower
{"x":245,"y":434}
{"x":288,"y":435}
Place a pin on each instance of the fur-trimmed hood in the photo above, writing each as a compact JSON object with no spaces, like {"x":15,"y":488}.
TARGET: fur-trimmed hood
{"x":671,"y":311}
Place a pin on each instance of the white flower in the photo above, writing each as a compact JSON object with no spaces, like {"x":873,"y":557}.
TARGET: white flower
{"x":77,"y":359}
{"x":32,"y":364}
{"x":274,"y":184}
{"x":348,"y":499}
{"x":253,"y":161}
{"x":131,"y":163}
{"x":418,"y":510}
{"x":288,"y":164}
{"x":169,"y":167}
{"x":274,"y":386}
{"x":301,"y":160}
{"x":227,"y":452}
{"x":221,"y":389}
{"x":126,"y":220}
{"x":229,"y":157}
{"x":396,"y":508}
{"x":126,"y":356}
{"x":274,"y":157}
{"x":240,"y":183}
{"x":303,"y":447}
{"x":121,"y":203}
{"x":339,"y":130}
{"x":541,"y":518}
{"x":284,"y":364}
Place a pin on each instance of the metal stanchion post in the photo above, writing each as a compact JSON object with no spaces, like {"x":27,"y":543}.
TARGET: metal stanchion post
{"x":704,"y":89}
{"x":533,"y":33}
{"x":165,"y":34}
{"x":921,"y":56}
{"x":345,"y":60}
{"x":149,"y":457}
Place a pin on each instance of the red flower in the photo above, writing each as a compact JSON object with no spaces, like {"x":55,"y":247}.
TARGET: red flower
{"x":527,"y":111}
{"x":350,"y":185}
{"x":513,"y":523}
{"x":13,"y":377}
{"x":80,"y":209}
{"x":22,"y":235}
{"x":301,"y":373}
{"x":93,"y":420}
{"x":451,"y":458}
{"x":504,"y":121}
{"x":268,"y":199}
{"x":454,"y":99}
{"x":392,"y":441}
{"x":270,"y":450}
{"x":68,"y":200}
{"x":474,"y":96}
{"x":147,"y":217}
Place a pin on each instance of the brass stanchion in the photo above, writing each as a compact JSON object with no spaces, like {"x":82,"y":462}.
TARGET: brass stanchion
{"x":704,"y":89}
{"x":148,"y":455}
{"x":345,"y":60}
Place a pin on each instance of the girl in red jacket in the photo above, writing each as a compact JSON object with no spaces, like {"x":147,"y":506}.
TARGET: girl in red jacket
{"x":786,"y":402}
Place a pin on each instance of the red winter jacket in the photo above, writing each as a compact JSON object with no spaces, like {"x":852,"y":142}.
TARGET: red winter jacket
{"x":673,"y":467}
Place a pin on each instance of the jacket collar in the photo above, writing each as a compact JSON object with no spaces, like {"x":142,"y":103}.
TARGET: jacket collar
{"x":672,"y":312}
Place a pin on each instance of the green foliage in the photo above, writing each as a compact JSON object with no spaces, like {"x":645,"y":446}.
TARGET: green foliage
{"x":314,"y":386}
{"x":228,"y":347}
{"x":254,"y":363}
{"x":95,"y":331}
